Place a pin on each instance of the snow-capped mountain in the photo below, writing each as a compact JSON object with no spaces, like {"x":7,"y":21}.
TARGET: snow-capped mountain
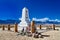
{"x":46,"y":20}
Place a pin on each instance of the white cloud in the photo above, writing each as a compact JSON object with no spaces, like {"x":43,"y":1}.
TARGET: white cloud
{"x":55,"y":20}
{"x":45,"y":19}
{"x":42,"y":20}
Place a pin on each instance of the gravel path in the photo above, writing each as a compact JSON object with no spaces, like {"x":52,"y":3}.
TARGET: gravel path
{"x":10,"y":35}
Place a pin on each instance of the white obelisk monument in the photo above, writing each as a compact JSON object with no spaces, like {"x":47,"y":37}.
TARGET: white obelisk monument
{"x":24,"y":19}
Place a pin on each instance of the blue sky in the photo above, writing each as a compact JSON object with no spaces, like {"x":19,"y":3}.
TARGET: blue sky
{"x":12,"y":9}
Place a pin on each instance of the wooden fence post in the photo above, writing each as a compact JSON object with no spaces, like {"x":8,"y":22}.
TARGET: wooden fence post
{"x":3,"y":28}
{"x":8,"y":26}
{"x":16,"y":28}
{"x":40,"y":26}
{"x":53,"y":27}
{"x":33,"y":27}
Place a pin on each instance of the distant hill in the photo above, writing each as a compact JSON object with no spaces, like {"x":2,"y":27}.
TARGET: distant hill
{"x":9,"y":21}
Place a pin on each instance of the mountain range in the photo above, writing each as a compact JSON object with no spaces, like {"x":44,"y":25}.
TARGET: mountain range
{"x":9,"y":21}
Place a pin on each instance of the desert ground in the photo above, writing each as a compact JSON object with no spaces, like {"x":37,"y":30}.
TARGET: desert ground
{"x":11,"y":35}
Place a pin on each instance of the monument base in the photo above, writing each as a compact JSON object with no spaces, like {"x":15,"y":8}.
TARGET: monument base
{"x":23,"y":25}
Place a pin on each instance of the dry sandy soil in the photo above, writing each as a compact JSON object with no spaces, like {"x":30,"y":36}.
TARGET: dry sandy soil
{"x":10,"y":35}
